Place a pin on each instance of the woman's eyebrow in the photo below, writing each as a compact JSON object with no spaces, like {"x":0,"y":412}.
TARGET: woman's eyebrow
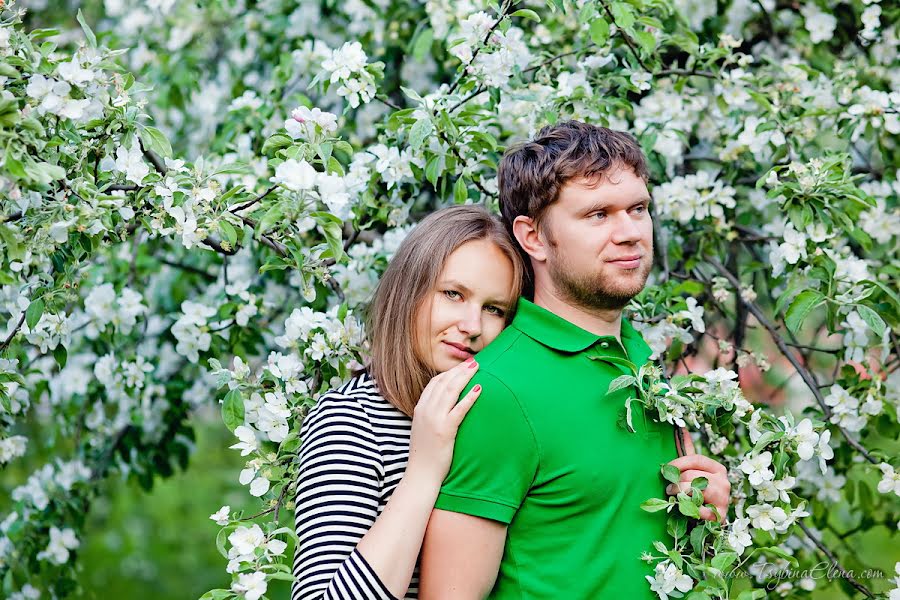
{"x":456,"y":284}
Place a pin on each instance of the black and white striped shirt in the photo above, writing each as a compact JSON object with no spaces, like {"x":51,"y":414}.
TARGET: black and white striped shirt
{"x":354,"y":452}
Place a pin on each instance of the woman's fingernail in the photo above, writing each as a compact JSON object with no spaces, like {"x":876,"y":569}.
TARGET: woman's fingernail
{"x":473,"y":364}
{"x":477,"y":388}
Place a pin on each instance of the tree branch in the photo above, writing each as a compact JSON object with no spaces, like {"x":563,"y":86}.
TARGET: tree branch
{"x":626,"y":37}
{"x":13,"y":333}
{"x":553,"y":59}
{"x":250,"y":203}
{"x":834,"y":563}
{"x":804,"y":373}
{"x":188,"y":268}
{"x":503,"y":8}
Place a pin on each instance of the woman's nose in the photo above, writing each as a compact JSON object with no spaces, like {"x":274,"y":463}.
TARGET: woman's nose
{"x":470,"y":323}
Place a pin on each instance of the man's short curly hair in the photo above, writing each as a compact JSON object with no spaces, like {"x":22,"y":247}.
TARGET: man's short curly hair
{"x":532,"y":173}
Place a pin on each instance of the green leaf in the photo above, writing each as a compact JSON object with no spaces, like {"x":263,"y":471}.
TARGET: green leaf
{"x":526,"y":13}
{"x":156,"y":141}
{"x":800,"y":308}
{"x":14,"y":250}
{"x":872,"y":319}
{"x":228,"y":232}
{"x":623,"y":14}
{"x":671,"y":473}
{"x":621,"y":382}
{"x":646,"y":40}
{"x":423,"y":44}
{"x":88,"y":34}
{"x":557,"y":5}
{"x":599,"y":31}
{"x":699,"y":483}
{"x":289,"y":444}
{"x":781,"y":554}
{"x":233,"y":409}
{"x":460,"y":191}
{"x":61,"y":355}
{"x":433,"y":169}
{"x":33,"y":313}
{"x":272,"y":216}
{"x":655,"y":504}
{"x":333,"y":229}
{"x":276,"y":142}
{"x":676,"y":526}
{"x":687,"y":506}
{"x":419,"y":132}
{"x":723,"y":560}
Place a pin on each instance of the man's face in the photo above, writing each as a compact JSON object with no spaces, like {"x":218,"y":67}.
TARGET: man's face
{"x":600,"y":239}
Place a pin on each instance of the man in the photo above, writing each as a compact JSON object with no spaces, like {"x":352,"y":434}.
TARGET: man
{"x":543,"y":497}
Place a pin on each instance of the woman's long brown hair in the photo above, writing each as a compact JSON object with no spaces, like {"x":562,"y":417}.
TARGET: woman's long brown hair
{"x":399,"y":372}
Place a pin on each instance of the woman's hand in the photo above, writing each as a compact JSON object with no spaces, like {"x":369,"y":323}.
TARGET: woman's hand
{"x":436,"y":419}
{"x":693,"y":465}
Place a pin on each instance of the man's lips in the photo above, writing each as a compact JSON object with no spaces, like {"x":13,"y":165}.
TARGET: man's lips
{"x":459,"y":350}
{"x":627,"y":262}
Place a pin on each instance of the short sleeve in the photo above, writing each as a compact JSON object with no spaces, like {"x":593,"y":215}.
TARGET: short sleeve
{"x":495,"y":459}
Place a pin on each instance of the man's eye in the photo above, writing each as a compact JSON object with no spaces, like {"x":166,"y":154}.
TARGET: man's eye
{"x":452,"y":294}
{"x":640,"y":208}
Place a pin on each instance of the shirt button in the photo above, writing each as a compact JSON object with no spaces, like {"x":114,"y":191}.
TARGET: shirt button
{"x":604,"y":344}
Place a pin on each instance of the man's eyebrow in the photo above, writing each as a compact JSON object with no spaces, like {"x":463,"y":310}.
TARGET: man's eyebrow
{"x":601,"y":205}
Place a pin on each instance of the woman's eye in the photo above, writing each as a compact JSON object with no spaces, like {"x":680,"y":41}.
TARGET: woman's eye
{"x":600,"y":215}
{"x":495,"y":310}
{"x":452,"y":294}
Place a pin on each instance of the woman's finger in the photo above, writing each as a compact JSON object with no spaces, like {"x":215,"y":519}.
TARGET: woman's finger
{"x":453,"y":386}
{"x":459,"y":412}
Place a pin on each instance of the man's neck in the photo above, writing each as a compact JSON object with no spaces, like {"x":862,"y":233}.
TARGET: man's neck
{"x":597,"y":321}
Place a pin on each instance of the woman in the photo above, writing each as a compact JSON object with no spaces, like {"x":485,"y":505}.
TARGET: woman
{"x":375,"y":451}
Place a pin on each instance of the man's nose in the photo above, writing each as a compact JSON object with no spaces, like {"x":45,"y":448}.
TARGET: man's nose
{"x":625,"y":230}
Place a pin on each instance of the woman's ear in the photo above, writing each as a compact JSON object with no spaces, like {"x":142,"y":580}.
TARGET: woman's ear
{"x":529,"y":238}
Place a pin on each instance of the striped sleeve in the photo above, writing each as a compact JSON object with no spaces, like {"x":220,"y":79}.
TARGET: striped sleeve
{"x":338,"y":493}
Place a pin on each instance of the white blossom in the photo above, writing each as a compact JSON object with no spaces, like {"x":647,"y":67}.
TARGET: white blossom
{"x":757,"y":467}
{"x":766,"y":516}
{"x":668,"y":578}
{"x":61,"y":541}
{"x":890,"y":480}
{"x":250,"y":585}
{"x":221,"y":516}
{"x":295,"y":175}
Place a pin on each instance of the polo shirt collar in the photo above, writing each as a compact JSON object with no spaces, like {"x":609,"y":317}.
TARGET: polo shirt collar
{"x":553,"y":331}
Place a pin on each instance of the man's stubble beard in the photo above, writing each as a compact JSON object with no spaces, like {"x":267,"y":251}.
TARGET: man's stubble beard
{"x":591,"y":291}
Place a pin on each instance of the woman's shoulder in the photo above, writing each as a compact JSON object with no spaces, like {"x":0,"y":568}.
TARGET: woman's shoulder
{"x":358,"y":396}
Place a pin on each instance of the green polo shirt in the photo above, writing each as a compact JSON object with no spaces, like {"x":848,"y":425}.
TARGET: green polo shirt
{"x":541,"y":451}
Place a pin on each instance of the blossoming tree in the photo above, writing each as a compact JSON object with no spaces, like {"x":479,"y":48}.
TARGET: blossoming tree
{"x":200,"y":219}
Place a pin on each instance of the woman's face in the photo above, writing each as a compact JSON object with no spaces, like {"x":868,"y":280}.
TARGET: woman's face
{"x":467,"y":308}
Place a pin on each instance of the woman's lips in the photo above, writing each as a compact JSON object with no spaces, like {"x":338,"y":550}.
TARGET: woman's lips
{"x":456,"y":351}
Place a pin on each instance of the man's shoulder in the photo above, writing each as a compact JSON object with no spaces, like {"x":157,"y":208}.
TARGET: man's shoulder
{"x":508,"y":355}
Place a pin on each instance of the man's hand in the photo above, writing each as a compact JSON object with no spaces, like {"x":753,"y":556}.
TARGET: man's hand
{"x":693,"y":465}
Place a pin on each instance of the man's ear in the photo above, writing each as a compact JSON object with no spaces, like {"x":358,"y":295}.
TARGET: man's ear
{"x":529,"y":238}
